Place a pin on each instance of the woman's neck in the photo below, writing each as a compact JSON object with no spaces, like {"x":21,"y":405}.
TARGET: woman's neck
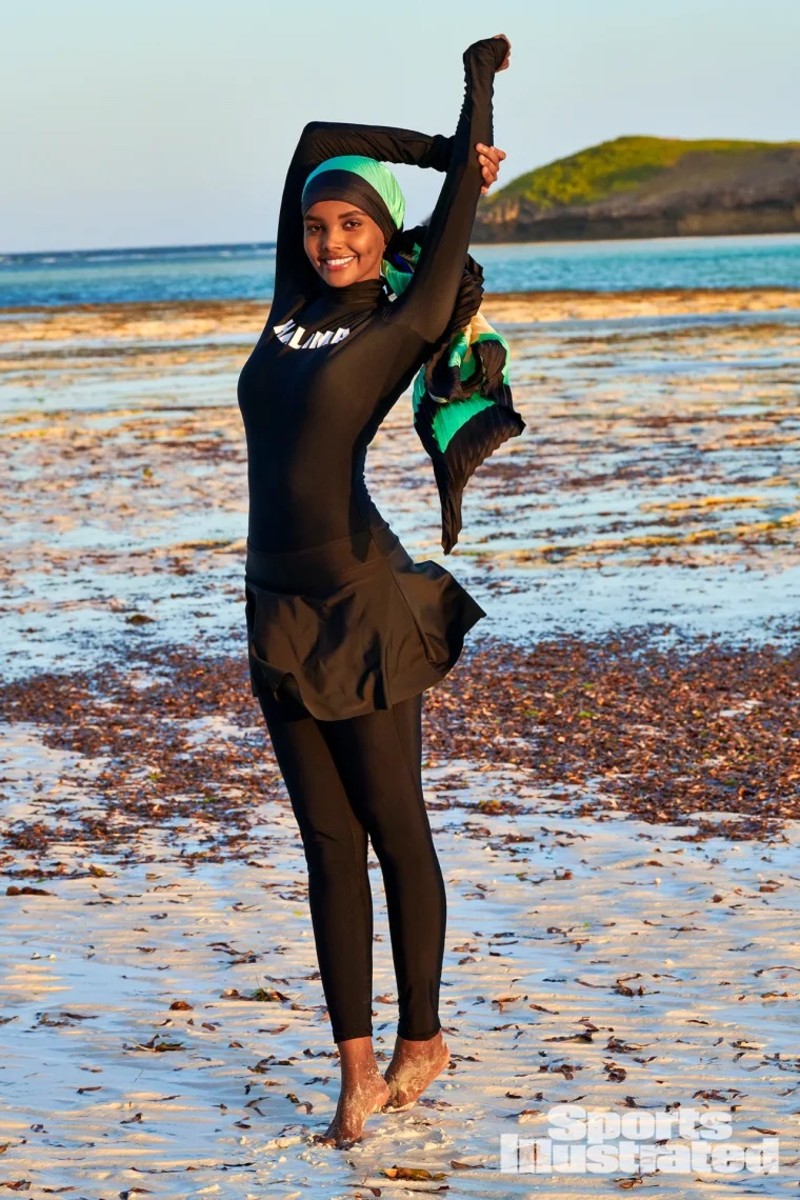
{"x":365,"y":293}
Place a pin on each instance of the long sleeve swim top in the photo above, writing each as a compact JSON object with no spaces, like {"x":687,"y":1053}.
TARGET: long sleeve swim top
{"x":332,"y":361}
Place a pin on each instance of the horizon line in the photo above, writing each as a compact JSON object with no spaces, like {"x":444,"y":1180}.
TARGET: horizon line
{"x":143,"y":247}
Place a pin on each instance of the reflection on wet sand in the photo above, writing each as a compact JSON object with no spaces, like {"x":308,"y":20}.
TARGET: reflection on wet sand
{"x":657,"y":475}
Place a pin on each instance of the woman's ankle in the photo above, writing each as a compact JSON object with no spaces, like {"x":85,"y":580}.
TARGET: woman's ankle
{"x":413,"y":1042}
{"x":357,"y":1057}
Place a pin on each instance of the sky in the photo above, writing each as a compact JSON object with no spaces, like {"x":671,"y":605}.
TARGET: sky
{"x":172,"y":122}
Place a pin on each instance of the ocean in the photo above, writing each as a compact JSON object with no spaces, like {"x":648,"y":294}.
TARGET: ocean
{"x":246,"y":271}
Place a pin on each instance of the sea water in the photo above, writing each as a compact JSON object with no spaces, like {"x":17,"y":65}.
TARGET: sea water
{"x":246,"y":271}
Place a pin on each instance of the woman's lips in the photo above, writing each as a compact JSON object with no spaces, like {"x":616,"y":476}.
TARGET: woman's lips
{"x":337,"y":264}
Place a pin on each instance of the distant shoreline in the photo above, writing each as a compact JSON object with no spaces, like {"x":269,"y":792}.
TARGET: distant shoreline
{"x":156,"y":320}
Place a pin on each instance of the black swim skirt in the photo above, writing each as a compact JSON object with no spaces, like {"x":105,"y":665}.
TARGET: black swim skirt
{"x":352,"y":625}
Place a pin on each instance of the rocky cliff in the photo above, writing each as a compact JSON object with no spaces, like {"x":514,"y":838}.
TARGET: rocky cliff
{"x":650,"y":187}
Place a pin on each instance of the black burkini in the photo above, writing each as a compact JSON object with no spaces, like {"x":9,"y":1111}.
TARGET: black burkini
{"x":333,"y":599}
{"x":345,"y":632}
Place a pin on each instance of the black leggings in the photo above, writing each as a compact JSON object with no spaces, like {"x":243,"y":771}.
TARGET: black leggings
{"x":348,"y":780}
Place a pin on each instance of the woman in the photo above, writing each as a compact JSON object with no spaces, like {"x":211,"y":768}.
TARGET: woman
{"x":345,"y":632}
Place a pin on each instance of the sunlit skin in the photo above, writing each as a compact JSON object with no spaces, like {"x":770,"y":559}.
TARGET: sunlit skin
{"x":338,"y":229}
{"x":335,"y":229}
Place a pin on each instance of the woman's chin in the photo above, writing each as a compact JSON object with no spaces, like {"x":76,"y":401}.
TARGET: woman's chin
{"x":344,"y":276}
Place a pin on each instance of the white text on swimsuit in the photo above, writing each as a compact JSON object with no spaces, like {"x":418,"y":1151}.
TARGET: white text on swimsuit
{"x":292,"y":334}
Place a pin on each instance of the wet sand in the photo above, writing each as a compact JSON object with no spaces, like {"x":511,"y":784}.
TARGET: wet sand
{"x":182,"y":321}
{"x":612,"y":769}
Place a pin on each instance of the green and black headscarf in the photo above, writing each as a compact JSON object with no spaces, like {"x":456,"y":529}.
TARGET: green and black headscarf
{"x":462,"y":402}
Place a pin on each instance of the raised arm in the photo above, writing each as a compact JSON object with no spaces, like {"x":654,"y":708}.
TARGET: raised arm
{"x":427,"y":303}
{"x":295,"y":278}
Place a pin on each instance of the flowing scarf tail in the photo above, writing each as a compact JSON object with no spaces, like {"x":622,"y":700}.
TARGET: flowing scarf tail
{"x":464,"y":430}
{"x":462,"y":401}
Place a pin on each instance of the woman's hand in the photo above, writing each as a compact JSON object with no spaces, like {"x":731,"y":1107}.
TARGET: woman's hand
{"x":490,"y":158}
{"x":507,"y":58}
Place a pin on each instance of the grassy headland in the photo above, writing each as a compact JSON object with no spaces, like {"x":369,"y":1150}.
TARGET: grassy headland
{"x":650,"y":187}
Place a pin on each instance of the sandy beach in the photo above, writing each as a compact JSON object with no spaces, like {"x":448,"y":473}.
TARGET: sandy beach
{"x":612,"y":769}
{"x":178,"y":322}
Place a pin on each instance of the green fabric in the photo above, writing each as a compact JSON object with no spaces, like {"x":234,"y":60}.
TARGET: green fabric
{"x":451,"y":417}
{"x":461,"y":351}
{"x":375,"y":173}
{"x":399,"y":280}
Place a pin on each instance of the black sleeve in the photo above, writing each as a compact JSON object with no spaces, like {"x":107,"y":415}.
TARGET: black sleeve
{"x":294,"y":275}
{"x":427,"y":303}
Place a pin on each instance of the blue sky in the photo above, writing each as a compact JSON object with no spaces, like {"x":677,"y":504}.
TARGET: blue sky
{"x":159,"y":122}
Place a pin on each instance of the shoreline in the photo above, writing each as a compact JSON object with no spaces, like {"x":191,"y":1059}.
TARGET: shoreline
{"x":659,"y":468}
{"x":162,"y":319}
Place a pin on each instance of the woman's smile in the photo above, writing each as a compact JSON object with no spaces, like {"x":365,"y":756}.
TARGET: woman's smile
{"x":337,"y":264}
{"x":337,"y":221}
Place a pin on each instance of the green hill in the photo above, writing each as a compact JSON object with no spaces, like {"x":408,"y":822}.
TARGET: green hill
{"x":650,"y":187}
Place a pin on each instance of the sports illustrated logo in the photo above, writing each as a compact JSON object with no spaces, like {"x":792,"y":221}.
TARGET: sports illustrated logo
{"x":292,"y":334}
{"x":579,"y":1142}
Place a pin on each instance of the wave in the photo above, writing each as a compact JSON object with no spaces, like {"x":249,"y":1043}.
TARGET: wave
{"x":138,"y":253}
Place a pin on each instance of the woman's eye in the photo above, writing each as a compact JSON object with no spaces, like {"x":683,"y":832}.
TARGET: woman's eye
{"x":353,"y":221}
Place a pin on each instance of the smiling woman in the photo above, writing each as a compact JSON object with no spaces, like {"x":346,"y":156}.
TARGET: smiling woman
{"x":344,"y":244}
{"x":345,"y":631}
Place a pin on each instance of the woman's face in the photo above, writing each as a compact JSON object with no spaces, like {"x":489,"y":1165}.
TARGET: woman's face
{"x":343,"y":244}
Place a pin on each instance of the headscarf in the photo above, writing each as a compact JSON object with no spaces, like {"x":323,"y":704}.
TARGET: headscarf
{"x":462,"y":402}
{"x":364,"y":181}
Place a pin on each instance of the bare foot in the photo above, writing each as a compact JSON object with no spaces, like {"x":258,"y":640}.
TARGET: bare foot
{"x":414,"y":1065}
{"x":364,"y":1091}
